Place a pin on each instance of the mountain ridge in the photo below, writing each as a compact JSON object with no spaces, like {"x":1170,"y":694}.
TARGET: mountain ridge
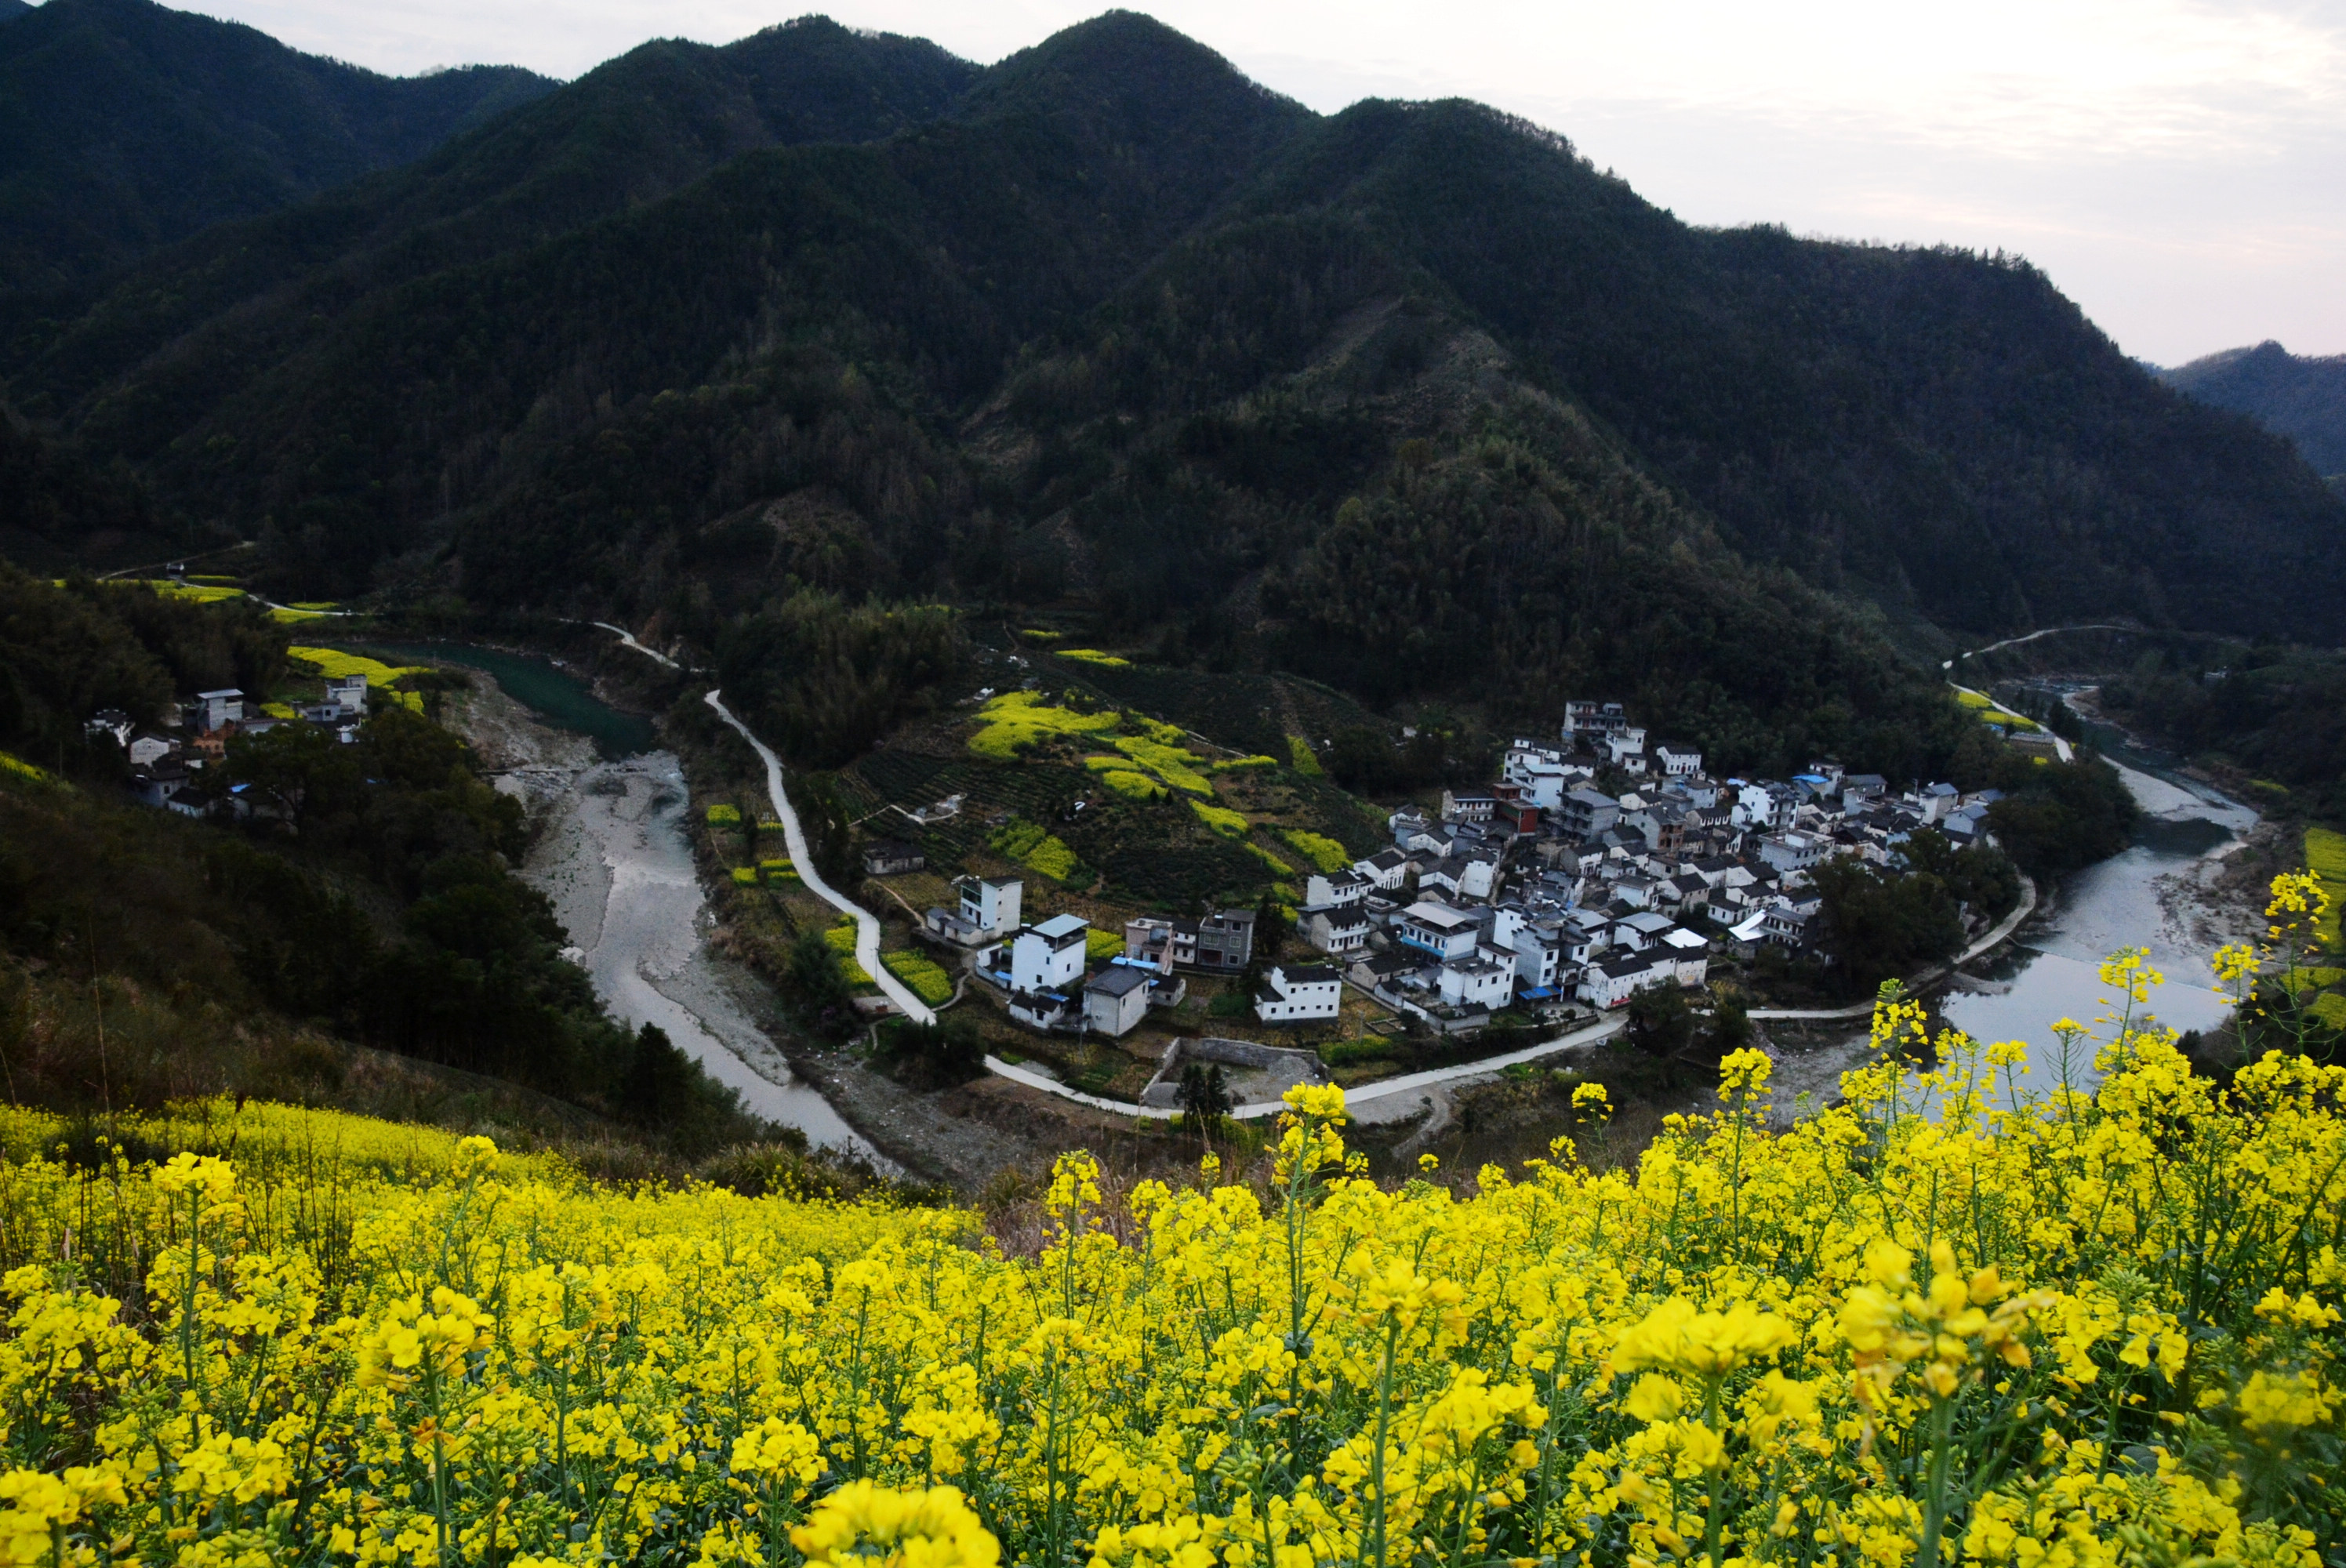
{"x":126,"y":126}
{"x":1410,"y":397}
{"x":2298,"y":396}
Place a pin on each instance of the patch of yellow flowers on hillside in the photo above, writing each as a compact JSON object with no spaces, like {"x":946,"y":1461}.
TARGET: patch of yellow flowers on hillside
{"x":2095,"y":1328}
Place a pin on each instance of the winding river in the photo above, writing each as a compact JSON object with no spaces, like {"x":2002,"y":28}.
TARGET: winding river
{"x":615,"y":860}
{"x":2143,"y":897}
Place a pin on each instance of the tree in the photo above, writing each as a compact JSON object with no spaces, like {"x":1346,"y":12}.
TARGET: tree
{"x":1881,"y":928}
{"x":1730,"y":1026}
{"x":657,"y":1086}
{"x":1269,"y":928}
{"x":298,"y":766}
{"x":811,"y":975}
{"x":1661,"y":1025}
{"x":1206,"y":1098}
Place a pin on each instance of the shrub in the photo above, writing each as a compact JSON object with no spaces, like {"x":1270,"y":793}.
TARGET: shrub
{"x":779,"y":871}
{"x":1134,"y":786}
{"x":17,"y":768}
{"x":2325,"y":857}
{"x":724,"y":815}
{"x":1323,"y":851}
{"x":840,"y":940}
{"x":1099,"y":945}
{"x":1093,"y":656}
{"x":1015,"y":720}
{"x":1239,"y":764}
{"x":1277,"y":866}
{"x":1301,"y":758}
{"x":927,"y":979}
{"x":1230,"y":824}
{"x":1174,"y":764}
{"x":745,"y":876}
{"x":1034,"y":846}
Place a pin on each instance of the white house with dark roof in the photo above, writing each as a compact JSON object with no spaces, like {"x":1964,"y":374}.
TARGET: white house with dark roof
{"x":1324,"y":888}
{"x":1676,"y":759}
{"x":1339,"y":931}
{"x":1611,"y":982}
{"x":1299,"y":993}
{"x":1385,"y":870}
{"x":1115,"y":999}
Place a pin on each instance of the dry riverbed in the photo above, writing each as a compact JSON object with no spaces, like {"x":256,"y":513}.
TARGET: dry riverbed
{"x":610,"y":852}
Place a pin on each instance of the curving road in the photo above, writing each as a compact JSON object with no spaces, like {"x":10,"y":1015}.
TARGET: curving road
{"x":867,"y":925}
{"x":2003,"y":928}
{"x":2059,"y":745}
{"x":1383,"y":1088}
{"x":628,"y":639}
{"x":2031,"y":636}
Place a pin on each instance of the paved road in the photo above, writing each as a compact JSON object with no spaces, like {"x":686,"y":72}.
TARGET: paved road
{"x":867,"y":925}
{"x":2031,"y":636}
{"x":295,"y":610}
{"x":628,"y":639}
{"x":2059,"y":745}
{"x":1382,"y":1089}
{"x":2003,"y":928}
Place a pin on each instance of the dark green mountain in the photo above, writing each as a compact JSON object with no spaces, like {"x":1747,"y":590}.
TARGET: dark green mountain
{"x":1411,"y":398}
{"x":2303,"y":398}
{"x":12,"y":9}
{"x":125,"y":126}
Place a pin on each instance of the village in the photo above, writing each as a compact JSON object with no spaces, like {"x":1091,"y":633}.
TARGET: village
{"x":1591,"y":869}
{"x":1541,"y":898}
{"x":177,"y":763}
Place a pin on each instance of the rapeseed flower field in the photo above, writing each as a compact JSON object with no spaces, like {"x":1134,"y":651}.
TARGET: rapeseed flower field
{"x":2034,"y":1326}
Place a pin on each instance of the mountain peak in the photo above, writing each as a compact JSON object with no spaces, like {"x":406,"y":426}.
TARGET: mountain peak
{"x":1136,"y":69}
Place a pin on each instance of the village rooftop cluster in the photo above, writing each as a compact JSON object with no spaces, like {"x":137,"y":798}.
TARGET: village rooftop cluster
{"x":169,"y":759}
{"x":1538,"y":893}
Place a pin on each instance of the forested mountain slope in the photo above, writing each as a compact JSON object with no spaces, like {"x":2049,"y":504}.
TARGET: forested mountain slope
{"x":1410,"y":396}
{"x":625,"y":135}
{"x":125,"y":126}
{"x":2296,"y":396}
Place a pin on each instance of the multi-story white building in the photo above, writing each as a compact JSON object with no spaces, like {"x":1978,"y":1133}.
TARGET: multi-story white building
{"x":1438,"y":929}
{"x":1611,"y":982}
{"x":1298,"y":993}
{"x":1049,"y":956}
{"x":991,"y":903}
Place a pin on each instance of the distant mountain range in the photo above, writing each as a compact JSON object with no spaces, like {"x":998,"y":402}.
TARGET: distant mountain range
{"x":125,"y":126}
{"x":1410,"y":397}
{"x":2303,"y":398}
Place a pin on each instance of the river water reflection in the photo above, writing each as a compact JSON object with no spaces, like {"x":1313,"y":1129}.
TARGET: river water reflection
{"x":2113,"y":905}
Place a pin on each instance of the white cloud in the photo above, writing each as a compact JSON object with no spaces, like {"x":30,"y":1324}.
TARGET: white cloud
{"x":2178,"y":166}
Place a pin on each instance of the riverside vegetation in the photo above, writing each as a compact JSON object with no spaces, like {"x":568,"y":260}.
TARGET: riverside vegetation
{"x":2037,"y":1325}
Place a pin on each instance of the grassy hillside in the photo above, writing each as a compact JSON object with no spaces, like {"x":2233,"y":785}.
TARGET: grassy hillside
{"x":126,"y":126}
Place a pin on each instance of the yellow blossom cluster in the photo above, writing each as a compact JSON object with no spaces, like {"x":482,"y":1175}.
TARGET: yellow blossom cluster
{"x":2058,"y":1332}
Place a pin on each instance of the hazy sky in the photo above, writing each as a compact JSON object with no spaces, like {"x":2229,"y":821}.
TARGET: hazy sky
{"x":2179,"y":168}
